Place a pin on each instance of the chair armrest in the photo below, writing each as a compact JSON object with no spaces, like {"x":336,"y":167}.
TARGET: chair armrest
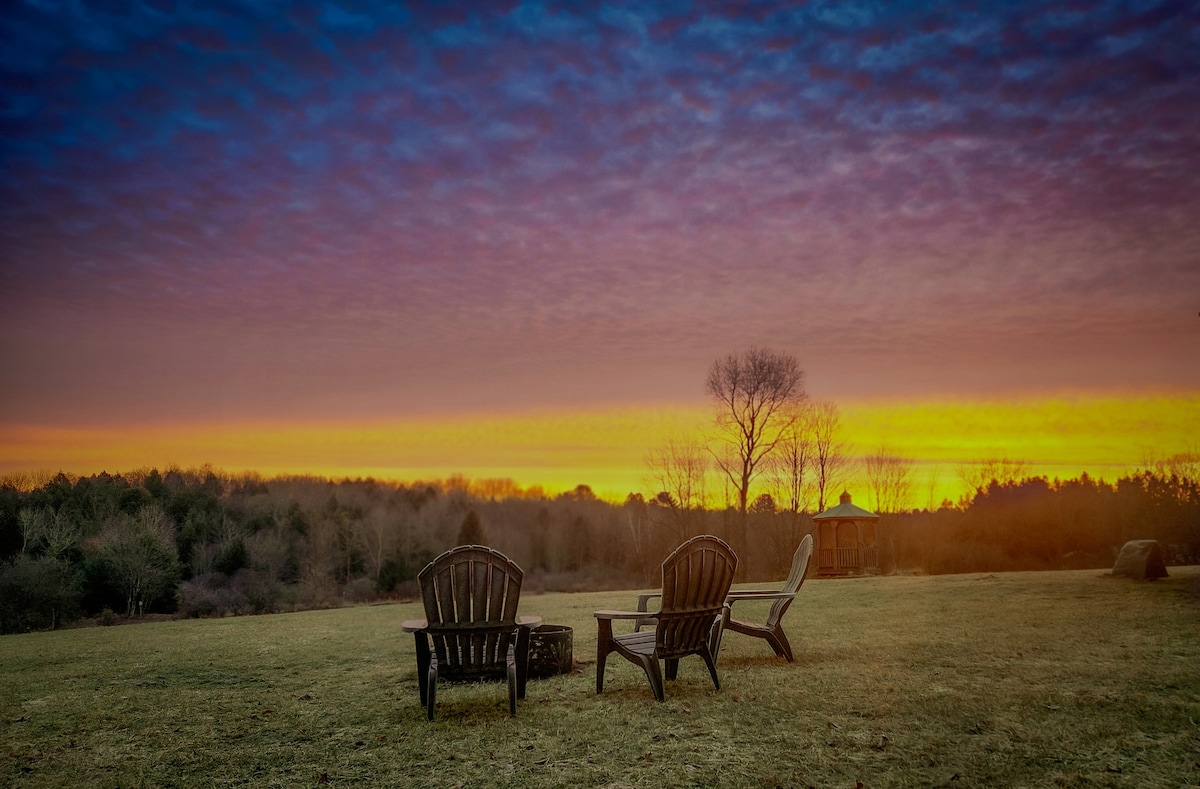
{"x":758,"y":594}
{"x":413,"y":625}
{"x":529,"y":620}
{"x":620,"y":614}
{"x":644,"y":600}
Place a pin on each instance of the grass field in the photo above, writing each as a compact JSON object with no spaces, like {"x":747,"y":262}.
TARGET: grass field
{"x":1020,"y":679}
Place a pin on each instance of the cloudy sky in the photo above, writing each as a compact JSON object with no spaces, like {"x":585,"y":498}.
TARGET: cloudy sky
{"x":240,"y":213}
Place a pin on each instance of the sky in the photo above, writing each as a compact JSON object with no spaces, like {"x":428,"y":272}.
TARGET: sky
{"x":509,"y":238}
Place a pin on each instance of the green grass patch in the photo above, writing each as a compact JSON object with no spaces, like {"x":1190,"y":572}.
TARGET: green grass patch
{"x":1016,"y":679}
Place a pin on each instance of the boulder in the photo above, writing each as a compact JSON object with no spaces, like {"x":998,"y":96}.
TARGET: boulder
{"x":1140,"y":559}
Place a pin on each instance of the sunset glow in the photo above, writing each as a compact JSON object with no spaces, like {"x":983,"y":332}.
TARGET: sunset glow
{"x":1104,"y":437}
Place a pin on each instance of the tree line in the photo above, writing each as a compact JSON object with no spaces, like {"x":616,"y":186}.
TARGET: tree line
{"x":203,"y":543}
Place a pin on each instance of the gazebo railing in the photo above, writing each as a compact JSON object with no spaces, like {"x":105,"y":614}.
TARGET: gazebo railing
{"x":839,"y":558}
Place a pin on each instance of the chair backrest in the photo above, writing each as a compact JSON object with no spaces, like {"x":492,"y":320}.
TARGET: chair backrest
{"x":794,"y":580}
{"x":471,"y":594}
{"x":695,"y":580}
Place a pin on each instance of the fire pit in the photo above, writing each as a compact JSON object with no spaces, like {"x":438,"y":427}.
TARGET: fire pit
{"x":550,"y":651}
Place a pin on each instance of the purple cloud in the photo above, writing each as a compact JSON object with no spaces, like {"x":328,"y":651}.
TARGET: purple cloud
{"x":479,"y":187}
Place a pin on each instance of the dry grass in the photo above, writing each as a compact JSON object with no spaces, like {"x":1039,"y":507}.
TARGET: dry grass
{"x":1022,"y":679}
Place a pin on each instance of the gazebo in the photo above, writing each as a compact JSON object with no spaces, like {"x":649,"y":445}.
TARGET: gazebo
{"x":846,"y":540}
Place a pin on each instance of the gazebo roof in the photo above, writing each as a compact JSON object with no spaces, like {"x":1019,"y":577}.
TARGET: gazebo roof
{"x":845,"y":511}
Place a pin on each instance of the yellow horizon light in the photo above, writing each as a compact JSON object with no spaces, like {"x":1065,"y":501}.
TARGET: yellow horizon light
{"x":1103,"y":435}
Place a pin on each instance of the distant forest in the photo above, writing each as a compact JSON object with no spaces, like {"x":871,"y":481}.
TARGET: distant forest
{"x":198,"y":543}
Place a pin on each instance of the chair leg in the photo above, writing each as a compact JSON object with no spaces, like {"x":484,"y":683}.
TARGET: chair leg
{"x":779,"y":642}
{"x":511,"y":664}
{"x":654,"y":674}
{"x":603,"y":647}
{"x":600,"y":660}
{"x":431,"y":686}
{"x":522,"y":660}
{"x":711,"y":661}
{"x":422,"y":665}
{"x":718,"y":632}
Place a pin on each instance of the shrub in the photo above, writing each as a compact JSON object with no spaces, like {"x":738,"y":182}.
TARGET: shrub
{"x":391,"y":574}
{"x":359,"y":590}
{"x":247,"y":592}
{"x":37,"y":594}
{"x":254,"y":592}
{"x":204,"y":596}
{"x":232,"y":557}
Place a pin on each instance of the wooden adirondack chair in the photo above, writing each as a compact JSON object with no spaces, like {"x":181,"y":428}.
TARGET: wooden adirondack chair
{"x":772,"y":630}
{"x":695,"y":579}
{"x":471,"y":595}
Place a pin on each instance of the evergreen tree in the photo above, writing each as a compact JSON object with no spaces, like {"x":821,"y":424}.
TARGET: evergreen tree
{"x":471,"y":532}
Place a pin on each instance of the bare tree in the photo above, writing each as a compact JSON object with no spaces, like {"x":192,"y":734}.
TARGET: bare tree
{"x":636,"y":518}
{"x":141,"y":551}
{"x":889,"y":476}
{"x":680,"y":467}
{"x":495,"y":488}
{"x":268,"y":553}
{"x":1183,"y":465}
{"x":376,"y":533}
{"x":729,"y":492}
{"x":757,"y":393}
{"x":53,"y":532}
{"x":32,"y":523}
{"x":977,"y":476}
{"x":829,"y":451}
{"x":790,"y":469}
{"x":678,"y":471}
{"x":26,"y":481}
{"x":932,"y":481}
